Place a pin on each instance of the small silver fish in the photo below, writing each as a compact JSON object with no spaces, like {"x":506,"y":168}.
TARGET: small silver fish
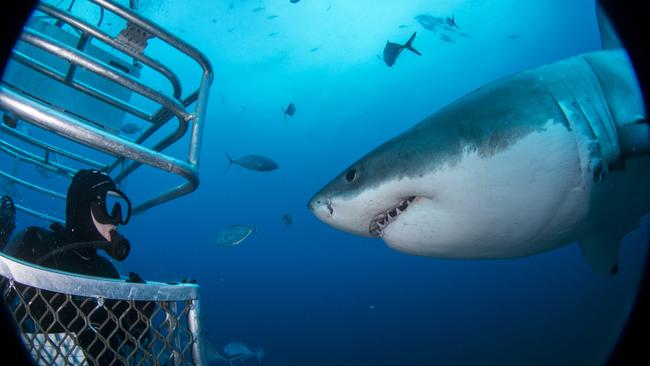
{"x":234,"y":235}
{"x":451,"y":22}
{"x":430,"y":22}
{"x":289,"y":111}
{"x":253,"y":162}
{"x":446,"y":38}
{"x":287,"y":220}
{"x":212,"y":355}
{"x":241,"y":352}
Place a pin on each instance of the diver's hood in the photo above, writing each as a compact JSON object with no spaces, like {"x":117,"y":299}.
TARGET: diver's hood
{"x":93,"y":194}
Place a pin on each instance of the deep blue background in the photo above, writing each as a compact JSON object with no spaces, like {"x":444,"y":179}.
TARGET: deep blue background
{"x":311,"y":295}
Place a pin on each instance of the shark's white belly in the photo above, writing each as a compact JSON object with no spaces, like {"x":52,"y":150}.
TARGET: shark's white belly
{"x":532,"y":197}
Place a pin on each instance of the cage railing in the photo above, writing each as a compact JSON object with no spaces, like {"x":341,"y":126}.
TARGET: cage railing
{"x":73,"y":319}
{"x":76,"y":51}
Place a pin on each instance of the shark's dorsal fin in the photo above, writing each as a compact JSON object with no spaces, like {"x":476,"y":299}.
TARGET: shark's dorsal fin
{"x":608,"y":37}
{"x":601,"y":252}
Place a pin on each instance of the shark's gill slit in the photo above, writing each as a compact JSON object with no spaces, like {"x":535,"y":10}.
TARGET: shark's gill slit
{"x":384,"y":218}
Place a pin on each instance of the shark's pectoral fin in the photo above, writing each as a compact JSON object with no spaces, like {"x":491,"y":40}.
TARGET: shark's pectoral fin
{"x":601,"y":252}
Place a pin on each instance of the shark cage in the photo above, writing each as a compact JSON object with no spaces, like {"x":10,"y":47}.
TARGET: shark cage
{"x":79,"y":94}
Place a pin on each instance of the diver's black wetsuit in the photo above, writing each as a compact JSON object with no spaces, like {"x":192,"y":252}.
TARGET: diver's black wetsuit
{"x":36,"y":242}
{"x":116,"y":323}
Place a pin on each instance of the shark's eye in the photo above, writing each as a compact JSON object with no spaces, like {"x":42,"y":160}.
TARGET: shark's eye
{"x":351,"y":175}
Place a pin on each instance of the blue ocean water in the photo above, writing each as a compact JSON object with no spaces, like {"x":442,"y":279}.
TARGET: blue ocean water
{"x":311,"y":295}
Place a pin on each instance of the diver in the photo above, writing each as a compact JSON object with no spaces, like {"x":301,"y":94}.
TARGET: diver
{"x":94,"y":209}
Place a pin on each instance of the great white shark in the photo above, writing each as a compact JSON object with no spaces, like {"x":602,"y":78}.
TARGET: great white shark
{"x":525,"y":164}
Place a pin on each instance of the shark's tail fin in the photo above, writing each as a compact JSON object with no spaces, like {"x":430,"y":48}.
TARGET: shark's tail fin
{"x":284,"y":112}
{"x":230,"y":161}
{"x":409,"y":45}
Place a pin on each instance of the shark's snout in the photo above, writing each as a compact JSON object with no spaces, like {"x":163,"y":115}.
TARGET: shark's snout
{"x":321,"y":206}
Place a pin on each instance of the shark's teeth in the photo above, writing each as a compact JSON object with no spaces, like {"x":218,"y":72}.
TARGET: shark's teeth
{"x":383,"y":219}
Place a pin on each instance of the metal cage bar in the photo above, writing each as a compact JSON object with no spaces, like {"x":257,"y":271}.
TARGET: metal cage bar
{"x":22,"y":105}
{"x":93,"y":137}
{"x":49,"y":147}
{"x":76,"y":57}
{"x":43,"y":69}
{"x":105,"y":38}
{"x":206,"y":79}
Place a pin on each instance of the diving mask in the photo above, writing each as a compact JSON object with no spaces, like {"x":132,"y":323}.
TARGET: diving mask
{"x":111,"y":207}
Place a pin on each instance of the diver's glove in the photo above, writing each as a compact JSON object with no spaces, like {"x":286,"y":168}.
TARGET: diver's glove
{"x":119,"y":247}
{"x":135,"y":278}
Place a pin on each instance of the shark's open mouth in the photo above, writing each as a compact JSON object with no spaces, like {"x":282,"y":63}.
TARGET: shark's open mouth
{"x":383,"y":219}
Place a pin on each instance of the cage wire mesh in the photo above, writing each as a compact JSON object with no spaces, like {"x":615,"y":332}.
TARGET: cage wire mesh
{"x":64,"y":329}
